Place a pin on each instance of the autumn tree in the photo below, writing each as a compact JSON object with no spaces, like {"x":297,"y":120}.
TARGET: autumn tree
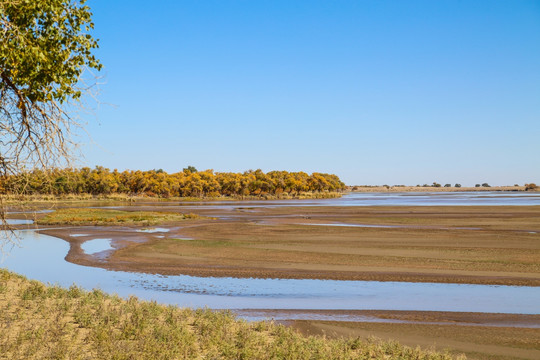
{"x":45,"y":48}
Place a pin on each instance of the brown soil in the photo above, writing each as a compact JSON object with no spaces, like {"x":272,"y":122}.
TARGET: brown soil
{"x":482,"y":245}
{"x":477,"y":335}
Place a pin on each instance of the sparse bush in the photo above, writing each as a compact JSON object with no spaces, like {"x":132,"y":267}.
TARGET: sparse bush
{"x":486,"y":185}
{"x":435,"y":184}
{"x":457,"y":185}
{"x":531,"y":186}
{"x":477,"y":185}
{"x":447,"y":185}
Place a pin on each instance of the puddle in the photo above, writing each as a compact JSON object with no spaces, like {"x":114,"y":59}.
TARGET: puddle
{"x":154,"y":230}
{"x":79,"y":235}
{"x":31,"y":212}
{"x":19,"y":221}
{"x":277,"y":315}
{"x":393,"y":226}
{"x":94,"y":246}
{"x":356,"y":225}
{"x":253,"y":315}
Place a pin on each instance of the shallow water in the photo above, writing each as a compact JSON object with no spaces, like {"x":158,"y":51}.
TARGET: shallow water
{"x":477,"y":198}
{"x":154,"y":230}
{"x":19,"y":221}
{"x":393,"y":226}
{"x":355,"y":225}
{"x":42,"y":258}
{"x":96,"y":245}
{"x":280,"y":315}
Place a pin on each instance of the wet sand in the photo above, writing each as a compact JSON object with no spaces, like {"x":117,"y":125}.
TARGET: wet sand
{"x":450,"y":244}
{"x":458,"y":333}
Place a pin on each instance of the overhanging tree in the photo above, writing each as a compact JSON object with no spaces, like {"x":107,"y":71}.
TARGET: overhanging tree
{"x":45,"y":48}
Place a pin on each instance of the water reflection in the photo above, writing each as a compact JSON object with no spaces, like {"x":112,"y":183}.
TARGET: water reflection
{"x":41,"y":258}
{"x":96,"y":245}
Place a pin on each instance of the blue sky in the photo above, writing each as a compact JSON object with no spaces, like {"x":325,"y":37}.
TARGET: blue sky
{"x":378,"y":92}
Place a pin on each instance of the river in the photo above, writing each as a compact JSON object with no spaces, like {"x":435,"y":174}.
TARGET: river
{"x":41,"y":257}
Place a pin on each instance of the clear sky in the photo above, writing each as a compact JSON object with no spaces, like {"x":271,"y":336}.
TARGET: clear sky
{"x":377,"y":92}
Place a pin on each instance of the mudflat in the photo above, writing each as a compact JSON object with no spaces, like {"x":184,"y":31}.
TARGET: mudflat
{"x":459,"y":333}
{"x":451,"y":244}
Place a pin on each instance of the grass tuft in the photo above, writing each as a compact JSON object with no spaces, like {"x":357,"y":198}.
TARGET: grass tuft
{"x":41,"y":321}
{"x":86,"y":216}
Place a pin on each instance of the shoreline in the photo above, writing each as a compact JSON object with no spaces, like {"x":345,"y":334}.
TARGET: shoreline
{"x":424,"y":189}
{"x":124,"y":238}
{"x":451,"y":318}
{"x":409,"y":244}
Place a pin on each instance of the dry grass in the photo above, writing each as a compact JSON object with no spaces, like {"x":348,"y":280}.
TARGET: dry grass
{"x":44,"y":322}
{"x":87,"y":216}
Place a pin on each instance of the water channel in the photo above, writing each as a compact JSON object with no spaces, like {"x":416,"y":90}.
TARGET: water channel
{"x":41,"y":257}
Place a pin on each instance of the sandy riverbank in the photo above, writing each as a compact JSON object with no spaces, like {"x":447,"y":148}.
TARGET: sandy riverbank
{"x":383,"y":189}
{"x":450,"y":244}
{"x":472,"y":334}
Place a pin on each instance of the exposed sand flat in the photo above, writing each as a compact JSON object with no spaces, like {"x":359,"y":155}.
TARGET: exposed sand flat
{"x":475,"y":341}
{"x":454,"y":244}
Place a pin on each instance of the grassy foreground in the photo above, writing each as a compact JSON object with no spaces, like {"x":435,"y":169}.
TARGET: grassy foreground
{"x":87,"y":216}
{"x":38,"y":321}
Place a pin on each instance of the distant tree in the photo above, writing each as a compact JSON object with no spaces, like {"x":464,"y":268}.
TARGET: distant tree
{"x":477,"y":185}
{"x":190,"y":169}
{"x":435,"y":184}
{"x":457,"y":185}
{"x":447,"y":185}
{"x":485,"y":185}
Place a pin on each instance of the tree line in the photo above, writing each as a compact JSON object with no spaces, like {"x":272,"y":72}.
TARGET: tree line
{"x":158,"y":183}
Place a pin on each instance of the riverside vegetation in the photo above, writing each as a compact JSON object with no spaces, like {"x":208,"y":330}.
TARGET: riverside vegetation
{"x":158,"y":183}
{"x":86,"y":216}
{"x":41,"y":321}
